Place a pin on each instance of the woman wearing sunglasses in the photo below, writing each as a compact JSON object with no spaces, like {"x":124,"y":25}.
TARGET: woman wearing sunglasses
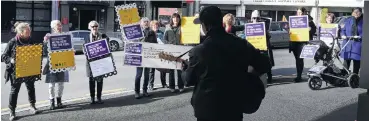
{"x":95,"y":35}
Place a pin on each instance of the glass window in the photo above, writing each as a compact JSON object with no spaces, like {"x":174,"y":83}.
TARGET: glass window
{"x":24,"y":5}
{"x":42,"y":14}
{"x":42,"y":4}
{"x":41,"y":28}
{"x":23,"y":14}
{"x":287,"y":14}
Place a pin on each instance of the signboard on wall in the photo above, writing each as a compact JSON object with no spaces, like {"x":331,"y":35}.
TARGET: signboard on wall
{"x":341,"y":3}
{"x":280,"y":2}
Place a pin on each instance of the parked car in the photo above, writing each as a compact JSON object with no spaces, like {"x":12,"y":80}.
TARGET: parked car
{"x":79,"y":37}
{"x":279,"y":34}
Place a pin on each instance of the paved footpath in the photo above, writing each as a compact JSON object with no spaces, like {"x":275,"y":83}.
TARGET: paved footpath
{"x":285,"y":102}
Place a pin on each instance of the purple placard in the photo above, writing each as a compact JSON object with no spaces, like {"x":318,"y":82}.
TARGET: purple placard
{"x":299,"y":22}
{"x":133,"y":60}
{"x":97,"y":48}
{"x":133,"y":48}
{"x":255,"y":29}
{"x":133,"y":32}
{"x":309,"y":51}
{"x":324,"y":32}
{"x":60,"y":42}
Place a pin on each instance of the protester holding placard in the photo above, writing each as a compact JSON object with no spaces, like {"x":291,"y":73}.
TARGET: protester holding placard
{"x":255,"y":18}
{"x":159,"y":34}
{"x":22,"y":38}
{"x":57,"y":78}
{"x":172,"y":35}
{"x":95,"y":35}
{"x":352,"y":51}
{"x":150,"y":37}
{"x":228,"y":24}
{"x":296,"y":46}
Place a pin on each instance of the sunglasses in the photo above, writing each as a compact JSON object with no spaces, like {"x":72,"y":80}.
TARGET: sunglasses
{"x":94,"y":26}
{"x":256,"y":18}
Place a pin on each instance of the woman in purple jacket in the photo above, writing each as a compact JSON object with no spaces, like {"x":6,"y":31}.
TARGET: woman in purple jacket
{"x":352,"y":51}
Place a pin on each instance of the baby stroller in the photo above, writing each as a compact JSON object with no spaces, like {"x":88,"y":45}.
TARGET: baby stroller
{"x":328,"y":71}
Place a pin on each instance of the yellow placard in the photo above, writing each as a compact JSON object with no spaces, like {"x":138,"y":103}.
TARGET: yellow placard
{"x":256,"y":35}
{"x":190,"y":32}
{"x":323,"y":15}
{"x":128,"y":16}
{"x":299,"y":35}
{"x":28,"y":61}
{"x":259,"y":42}
{"x":61,"y":60}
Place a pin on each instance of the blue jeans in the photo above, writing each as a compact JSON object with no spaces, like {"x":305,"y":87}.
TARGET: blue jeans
{"x":138,"y":78}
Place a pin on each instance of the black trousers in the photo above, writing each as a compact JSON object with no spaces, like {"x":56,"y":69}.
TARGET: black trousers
{"x":99,"y":83}
{"x":152,"y":78}
{"x":299,"y":61}
{"x":356,"y":65}
{"x":15,"y":87}
{"x":172,"y":80}
{"x":139,"y":72}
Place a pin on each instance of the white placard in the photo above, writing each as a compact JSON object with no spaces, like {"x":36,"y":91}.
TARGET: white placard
{"x":102,"y":66}
{"x":142,"y":54}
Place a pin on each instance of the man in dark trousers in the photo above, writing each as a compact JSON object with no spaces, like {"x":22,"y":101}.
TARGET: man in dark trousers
{"x":219,"y":69}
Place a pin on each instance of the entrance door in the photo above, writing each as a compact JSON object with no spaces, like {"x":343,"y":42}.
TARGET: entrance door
{"x":85,"y":17}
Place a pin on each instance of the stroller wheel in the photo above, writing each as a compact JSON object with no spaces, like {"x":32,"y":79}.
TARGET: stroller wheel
{"x":353,"y":80}
{"x":315,"y":83}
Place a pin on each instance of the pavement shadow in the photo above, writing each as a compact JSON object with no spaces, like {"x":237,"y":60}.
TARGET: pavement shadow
{"x":117,"y":101}
{"x":286,"y":76}
{"x":347,"y":113}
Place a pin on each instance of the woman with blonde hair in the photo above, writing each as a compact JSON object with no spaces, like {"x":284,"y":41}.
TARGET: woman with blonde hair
{"x":229,"y":24}
{"x":22,"y":38}
{"x":55,"y":78}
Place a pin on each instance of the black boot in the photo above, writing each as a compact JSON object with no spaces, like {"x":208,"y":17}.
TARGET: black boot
{"x":59,"y":103}
{"x":12,"y":115}
{"x":34,"y":109}
{"x":145,"y":94}
{"x":52,"y":104}
{"x":93,"y":100}
{"x":137,"y":95}
{"x":99,"y":101}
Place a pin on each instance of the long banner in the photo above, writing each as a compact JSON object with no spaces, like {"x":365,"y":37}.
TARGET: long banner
{"x":299,"y":28}
{"x":142,"y":54}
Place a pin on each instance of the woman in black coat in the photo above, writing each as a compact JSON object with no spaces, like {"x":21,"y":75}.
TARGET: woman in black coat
{"x":21,"y":39}
{"x":98,"y":81}
{"x":296,"y":47}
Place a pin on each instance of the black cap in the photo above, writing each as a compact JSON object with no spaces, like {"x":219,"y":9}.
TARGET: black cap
{"x":210,"y":15}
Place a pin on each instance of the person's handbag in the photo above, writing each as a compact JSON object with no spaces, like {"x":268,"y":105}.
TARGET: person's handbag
{"x":255,"y":93}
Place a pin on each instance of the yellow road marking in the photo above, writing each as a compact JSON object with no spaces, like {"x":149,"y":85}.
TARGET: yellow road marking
{"x":106,"y":92}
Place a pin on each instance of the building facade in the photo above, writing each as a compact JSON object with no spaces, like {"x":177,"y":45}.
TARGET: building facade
{"x":276,"y":9}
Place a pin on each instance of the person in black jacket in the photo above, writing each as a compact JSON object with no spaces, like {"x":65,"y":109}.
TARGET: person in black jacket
{"x":296,"y":47}
{"x":218,"y":68}
{"x":150,"y":37}
{"x":98,"y":81}
{"x":22,"y":38}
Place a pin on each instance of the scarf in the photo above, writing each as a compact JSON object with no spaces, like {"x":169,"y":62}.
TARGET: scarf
{"x":355,"y":22}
